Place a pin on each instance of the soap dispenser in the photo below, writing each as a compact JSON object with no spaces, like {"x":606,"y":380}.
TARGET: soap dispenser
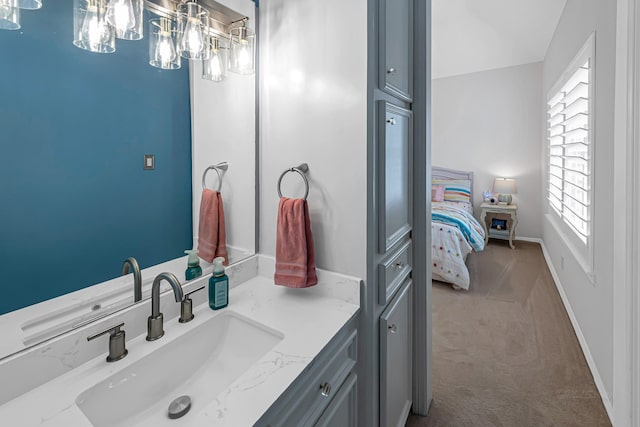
{"x":218,"y":286}
{"x":193,"y":265}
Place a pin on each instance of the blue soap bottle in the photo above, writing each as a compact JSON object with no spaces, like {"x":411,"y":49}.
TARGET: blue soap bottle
{"x":193,"y":265}
{"x":218,"y":286}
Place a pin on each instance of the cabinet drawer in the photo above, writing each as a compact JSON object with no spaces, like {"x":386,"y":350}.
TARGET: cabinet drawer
{"x":306,"y":401}
{"x":392,"y":272}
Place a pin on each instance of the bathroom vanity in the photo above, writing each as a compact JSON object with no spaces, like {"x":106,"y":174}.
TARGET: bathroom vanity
{"x":274,"y":357}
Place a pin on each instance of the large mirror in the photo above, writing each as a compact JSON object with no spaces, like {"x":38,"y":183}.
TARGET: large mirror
{"x":76,"y":126}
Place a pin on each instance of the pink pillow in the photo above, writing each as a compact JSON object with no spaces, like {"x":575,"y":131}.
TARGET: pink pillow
{"x":437,"y":193}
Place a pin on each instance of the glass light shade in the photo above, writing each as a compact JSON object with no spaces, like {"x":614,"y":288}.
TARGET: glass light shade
{"x":504,"y":186}
{"x":30,"y":4}
{"x":163,"y":52}
{"x":214,"y":68}
{"x":126,"y":17}
{"x":91,"y":31}
{"x":192,"y":30}
{"x":9,"y":15}
{"x":242,"y":55}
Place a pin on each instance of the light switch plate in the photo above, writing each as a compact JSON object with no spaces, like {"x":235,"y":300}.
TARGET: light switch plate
{"x":149,"y":161}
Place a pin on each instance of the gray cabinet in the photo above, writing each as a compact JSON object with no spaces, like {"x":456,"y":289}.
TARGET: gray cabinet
{"x":396,"y":372}
{"x":396,"y":48}
{"x":394,"y":202}
{"x":398,"y":216}
{"x":324,"y":392}
{"x":395,"y":145}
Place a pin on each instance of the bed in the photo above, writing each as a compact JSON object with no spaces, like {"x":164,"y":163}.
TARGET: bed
{"x":455,"y":233}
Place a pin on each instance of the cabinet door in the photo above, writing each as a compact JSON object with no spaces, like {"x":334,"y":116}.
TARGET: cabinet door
{"x":342,"y":412}
{"x":395,"y":147}
{"x":396,"y":47}
{"x":396,"y":371}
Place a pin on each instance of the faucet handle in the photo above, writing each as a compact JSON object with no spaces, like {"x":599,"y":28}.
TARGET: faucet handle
{"x":186,"y":308}
{"x":117,"y":349}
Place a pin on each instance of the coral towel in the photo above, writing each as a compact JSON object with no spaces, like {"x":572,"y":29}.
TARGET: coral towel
{"x":295,"y":255}
{"x":212,"y":237}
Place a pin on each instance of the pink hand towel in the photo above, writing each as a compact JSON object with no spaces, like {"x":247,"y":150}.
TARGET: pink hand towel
{"x":295,"y":254}
{"x":212,"y":237}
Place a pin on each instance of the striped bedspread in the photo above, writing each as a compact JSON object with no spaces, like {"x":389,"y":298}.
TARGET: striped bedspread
{"x":462,"y":220}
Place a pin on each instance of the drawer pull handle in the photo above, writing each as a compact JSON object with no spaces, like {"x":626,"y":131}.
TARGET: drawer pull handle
{"x":393,"y":328}
{"x":391,"y":121}
{"x":325,"y":389}
{"x":391,"y":71}
{"x":399,"y":265}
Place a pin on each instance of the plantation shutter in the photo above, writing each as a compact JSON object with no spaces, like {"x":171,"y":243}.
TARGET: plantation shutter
{"x":569,"y":175}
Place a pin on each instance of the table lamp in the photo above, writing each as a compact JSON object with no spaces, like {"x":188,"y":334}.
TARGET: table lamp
{"x":505,"y":187}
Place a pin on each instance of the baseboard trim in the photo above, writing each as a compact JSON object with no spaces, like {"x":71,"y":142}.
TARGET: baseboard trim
{"x":576,"y":327}
{"x":529,"y":239}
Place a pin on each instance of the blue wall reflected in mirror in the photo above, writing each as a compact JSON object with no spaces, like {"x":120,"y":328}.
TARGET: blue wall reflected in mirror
{"x":74,"y":128}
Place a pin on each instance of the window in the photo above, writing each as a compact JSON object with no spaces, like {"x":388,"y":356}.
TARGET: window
{"x":569,"y":119}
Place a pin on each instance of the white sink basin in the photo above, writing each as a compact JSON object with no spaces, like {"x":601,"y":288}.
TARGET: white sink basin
{"x":200,"y":364}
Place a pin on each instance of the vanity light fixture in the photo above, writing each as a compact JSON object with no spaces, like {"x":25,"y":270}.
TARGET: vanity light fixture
{"x":215,"y":68}
{"x":91,"y":30}
{"x":192,"y":20}
{"x":242,"y":55}
{"x":126,"y":17}
{"x":162,"y":44}
{"x":30,"y":4}
{"x":9,"y":15}
{"x":188,"y":31}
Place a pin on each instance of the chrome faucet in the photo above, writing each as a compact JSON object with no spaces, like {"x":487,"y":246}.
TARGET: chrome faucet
{"x":154,"y":323}
{"x":137,"y":277}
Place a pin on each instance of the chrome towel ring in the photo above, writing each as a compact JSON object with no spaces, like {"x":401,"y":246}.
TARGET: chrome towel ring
{"x":222,"y":166}
{"x":302,"y":169}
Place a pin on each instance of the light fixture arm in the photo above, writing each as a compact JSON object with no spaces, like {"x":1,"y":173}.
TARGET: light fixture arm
{"x":243,"y":20}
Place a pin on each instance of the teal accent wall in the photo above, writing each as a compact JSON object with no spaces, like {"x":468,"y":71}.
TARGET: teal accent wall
{"x":74,"y":127}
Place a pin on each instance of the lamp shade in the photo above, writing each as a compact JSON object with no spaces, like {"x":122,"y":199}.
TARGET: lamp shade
{"x":242,"y":55}
{"x":504,"y":186}
{"x":9,"y":15}
{"x":215,"y":67}
{"x":30,"y":4}
{"x":163,"y":52}
{"x":191,"y":30}
{"x":126,"y":17}
{"x":91,"y":31}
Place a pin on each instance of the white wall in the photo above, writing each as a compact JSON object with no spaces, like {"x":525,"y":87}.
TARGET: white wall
{"x":223,"y":129}
{"x":591,"y":303}
{"x":313,"y":110}
{"x":489,"y":123}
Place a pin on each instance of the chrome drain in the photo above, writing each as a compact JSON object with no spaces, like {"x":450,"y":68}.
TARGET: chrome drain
{"x":179,"y":407}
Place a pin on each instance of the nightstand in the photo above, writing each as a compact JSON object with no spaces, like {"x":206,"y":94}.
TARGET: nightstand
{"x":502,"y":219}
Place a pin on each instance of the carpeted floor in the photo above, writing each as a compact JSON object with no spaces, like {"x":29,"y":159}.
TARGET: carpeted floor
{"x":504,"y":352}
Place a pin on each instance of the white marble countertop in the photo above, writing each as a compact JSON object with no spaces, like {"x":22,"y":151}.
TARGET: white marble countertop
{"x":307,"y":318}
